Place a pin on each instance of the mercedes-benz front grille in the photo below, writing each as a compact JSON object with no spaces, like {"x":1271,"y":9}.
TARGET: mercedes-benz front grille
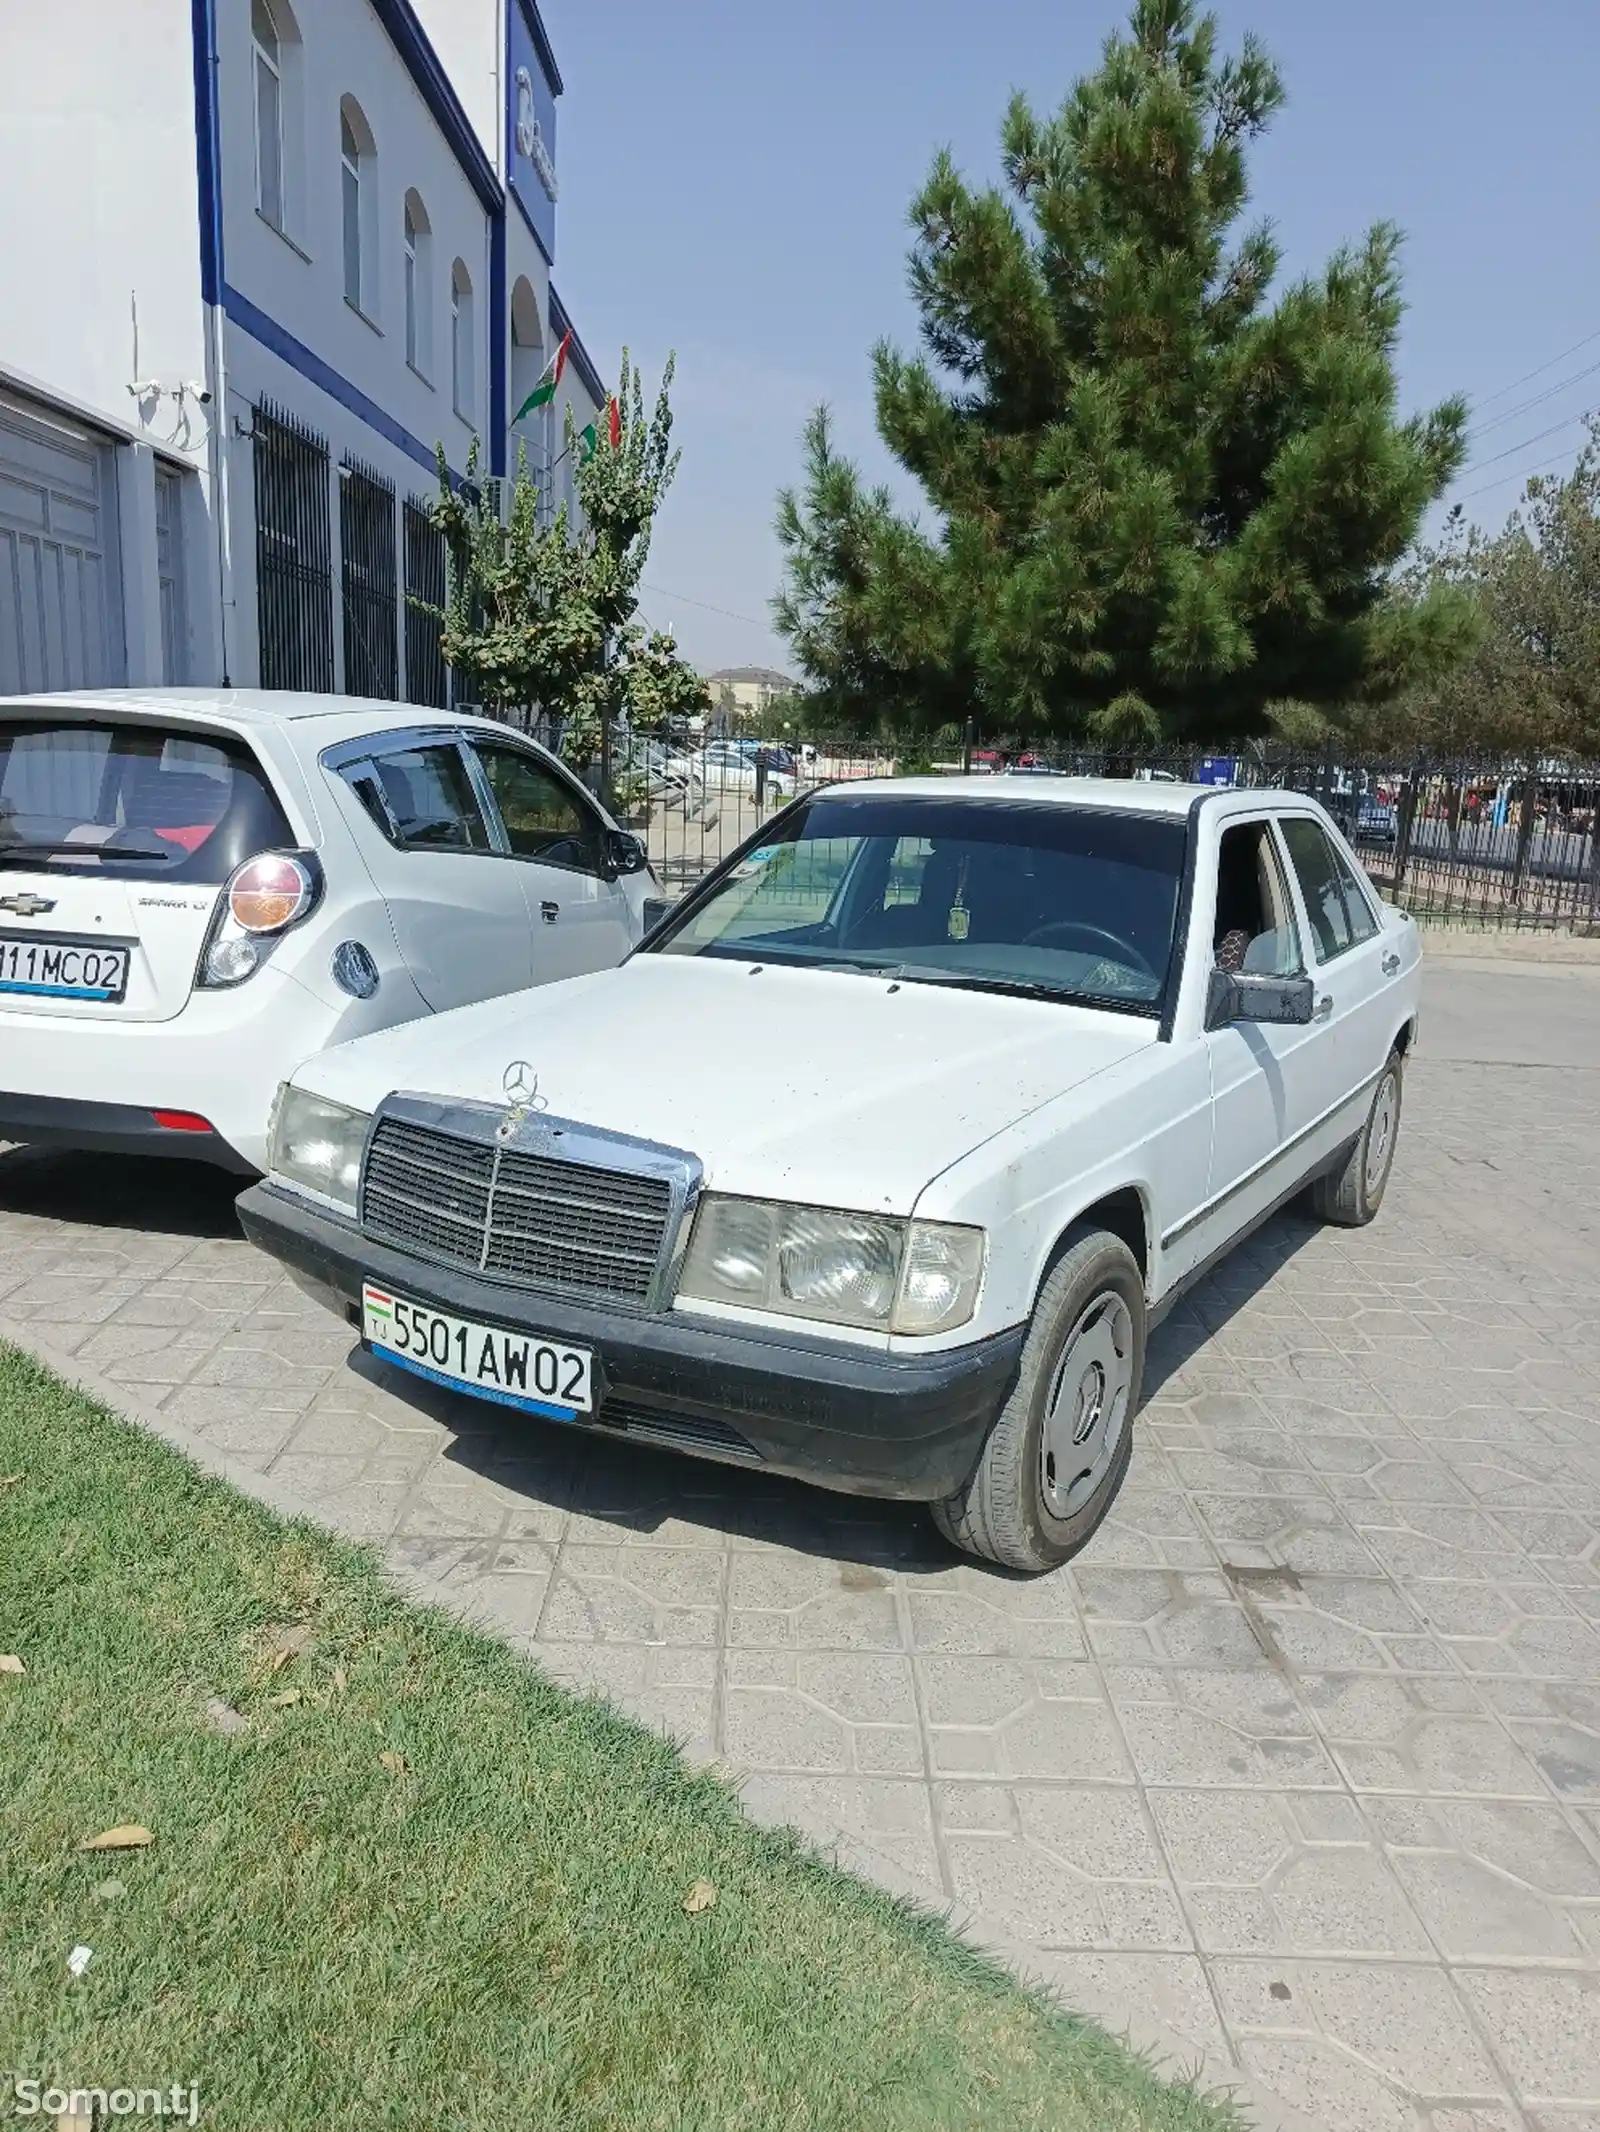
{"x":562,"y":1227}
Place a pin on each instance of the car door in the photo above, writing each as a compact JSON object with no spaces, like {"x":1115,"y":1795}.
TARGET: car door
{"x":1353,"y":969}
{"x":579,"y":914}
{"x":1264,"y":1078}
{"x":459,"y":914}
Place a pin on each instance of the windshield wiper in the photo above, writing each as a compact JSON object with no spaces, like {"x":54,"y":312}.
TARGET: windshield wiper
{"x":1013,"y":987}
{"x":84,"y":851}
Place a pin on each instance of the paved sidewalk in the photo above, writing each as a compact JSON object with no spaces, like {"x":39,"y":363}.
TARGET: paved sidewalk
{"x":1298,"y":1769}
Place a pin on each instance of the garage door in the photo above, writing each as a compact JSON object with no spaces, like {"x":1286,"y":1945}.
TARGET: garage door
{"x":60,"y":614}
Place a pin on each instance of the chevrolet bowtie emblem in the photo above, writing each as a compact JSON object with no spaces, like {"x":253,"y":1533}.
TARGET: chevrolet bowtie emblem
{"x":27,"y":905}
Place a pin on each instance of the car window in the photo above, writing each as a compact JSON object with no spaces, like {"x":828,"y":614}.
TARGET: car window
{"x":1316,"y":869}
{"x":1255,"y":930}
{"x":544,"y":818}
{"x":421,"y":798}
{"x":1362,"y":923}
{"x":1007,"y":895}
{"x":137,"y":800}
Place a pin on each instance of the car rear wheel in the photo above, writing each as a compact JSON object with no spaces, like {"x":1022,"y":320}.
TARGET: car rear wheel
{"x":1059,"y":1450}
{"x":1352,"y":1194}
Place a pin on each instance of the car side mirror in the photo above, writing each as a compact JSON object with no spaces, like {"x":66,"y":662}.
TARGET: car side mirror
{"x":1240,"y":996}
{"x":625,"y":853}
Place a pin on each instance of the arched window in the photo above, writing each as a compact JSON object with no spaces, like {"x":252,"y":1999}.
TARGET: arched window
{"x":268,"y":56}
{"x":463,"y":384}
{"x":417,"y":243}
{"x":350,"y":158}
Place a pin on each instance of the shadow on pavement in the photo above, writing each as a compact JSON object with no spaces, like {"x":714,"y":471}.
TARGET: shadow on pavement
{"x":168,"y":1197}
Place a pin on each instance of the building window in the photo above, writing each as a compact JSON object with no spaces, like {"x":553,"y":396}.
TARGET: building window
{"x":418,"y":248}
{"x":269,"y":111}
{"x":350,"y":157}
{"x":463,"y":391}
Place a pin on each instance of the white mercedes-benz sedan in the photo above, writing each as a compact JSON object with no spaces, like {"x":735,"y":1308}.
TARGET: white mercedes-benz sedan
{"x":201,"y":888}
{"x":878,"y":1159}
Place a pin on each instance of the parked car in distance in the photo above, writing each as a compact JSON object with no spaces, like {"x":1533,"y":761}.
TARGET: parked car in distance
{"x":200,"y":888}
{"x":727,"y":766}
{"x":1042,"y":1054}
{"x":1376,"y":820}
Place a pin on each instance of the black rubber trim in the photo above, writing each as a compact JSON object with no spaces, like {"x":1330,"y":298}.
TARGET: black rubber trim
{"x":110,"y":1129}
{"x":819,"y":1409}
{"x":1180,"y":926}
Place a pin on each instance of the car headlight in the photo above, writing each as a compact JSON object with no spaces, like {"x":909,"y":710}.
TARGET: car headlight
{"x":318,"y":1145}
{"x":871,"y":1270}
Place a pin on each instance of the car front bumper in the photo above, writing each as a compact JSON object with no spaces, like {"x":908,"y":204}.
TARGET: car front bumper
{"x":865,"y":1423}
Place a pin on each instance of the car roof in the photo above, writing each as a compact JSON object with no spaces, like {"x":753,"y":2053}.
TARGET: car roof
{"x":1122,"y":795}
{"x":328,"y":716}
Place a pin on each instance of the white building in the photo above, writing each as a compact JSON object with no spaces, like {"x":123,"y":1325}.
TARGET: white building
{"x":259,"y":259}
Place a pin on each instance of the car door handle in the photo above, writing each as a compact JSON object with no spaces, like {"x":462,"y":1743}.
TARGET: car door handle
{"x":549,"y":912}
{"x":1391,"y":966}
{"x":1324,"y":1007}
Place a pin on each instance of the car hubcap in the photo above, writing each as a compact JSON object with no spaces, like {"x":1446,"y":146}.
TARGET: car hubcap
{"x":1380,"y":1134}
{"x":1087,"y":1410}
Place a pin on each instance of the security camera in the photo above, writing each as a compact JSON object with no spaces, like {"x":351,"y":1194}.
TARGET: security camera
{"x":198,"y":392}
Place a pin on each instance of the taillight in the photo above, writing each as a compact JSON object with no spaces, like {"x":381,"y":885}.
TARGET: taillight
{"x":262,"y":900}
{"x":268,"y":893}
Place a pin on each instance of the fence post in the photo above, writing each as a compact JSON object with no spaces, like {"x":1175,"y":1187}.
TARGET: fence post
{"x":1405,"y":815}
{"x":1525,"y":828}
{"x":968,"y":735}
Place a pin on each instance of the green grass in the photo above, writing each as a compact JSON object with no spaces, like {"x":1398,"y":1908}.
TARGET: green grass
{"x":494,"y":1935}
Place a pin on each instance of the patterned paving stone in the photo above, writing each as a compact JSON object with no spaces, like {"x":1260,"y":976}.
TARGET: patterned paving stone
{"x":1297,"y":1768}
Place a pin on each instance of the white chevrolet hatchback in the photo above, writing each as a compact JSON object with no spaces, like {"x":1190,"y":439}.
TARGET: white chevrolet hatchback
{"x":201,"y":888}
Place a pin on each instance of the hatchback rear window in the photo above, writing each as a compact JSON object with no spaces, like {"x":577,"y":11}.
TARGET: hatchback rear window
{"x":133,"y":801}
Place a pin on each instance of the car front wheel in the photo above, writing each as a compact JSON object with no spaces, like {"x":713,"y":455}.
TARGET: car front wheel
{"x":1351,"y":1194}
{"x":1052,"y":1464}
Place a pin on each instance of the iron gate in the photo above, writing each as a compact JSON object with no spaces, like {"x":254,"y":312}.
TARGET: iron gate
{"x":294,"y":564}
{"x":371,"y":588}
{"x":427,"y":680}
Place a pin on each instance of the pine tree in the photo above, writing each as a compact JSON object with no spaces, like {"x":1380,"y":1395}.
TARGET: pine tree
{"x":1162,"y":504}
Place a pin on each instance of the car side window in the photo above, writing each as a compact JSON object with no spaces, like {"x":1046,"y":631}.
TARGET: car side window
{"x":1316,"y":868}
{"x":421,"y":798}
{"x":1255,"y":932}
{"x":1362,"y":923}
{"x":544,"y":818}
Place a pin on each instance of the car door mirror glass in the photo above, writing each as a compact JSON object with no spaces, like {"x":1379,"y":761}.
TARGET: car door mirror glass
{"x":1239,"y":996}
{"x":625,"y":853}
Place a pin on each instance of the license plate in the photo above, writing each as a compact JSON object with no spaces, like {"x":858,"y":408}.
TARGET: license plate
{"x":515,"y":1369}
{"x":62,"y":969}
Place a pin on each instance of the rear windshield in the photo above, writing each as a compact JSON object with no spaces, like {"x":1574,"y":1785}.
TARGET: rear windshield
{"x":133,"y":801}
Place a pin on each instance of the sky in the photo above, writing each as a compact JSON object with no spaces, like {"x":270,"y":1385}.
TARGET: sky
{"x":735,"y":176}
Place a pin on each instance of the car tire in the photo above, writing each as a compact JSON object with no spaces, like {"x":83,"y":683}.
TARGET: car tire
{"x":1075,"y":1397}
{"x":1351,"y":1194}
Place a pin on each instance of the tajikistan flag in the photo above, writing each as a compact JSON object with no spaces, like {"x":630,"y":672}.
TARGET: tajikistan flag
{"x":545,"y":391}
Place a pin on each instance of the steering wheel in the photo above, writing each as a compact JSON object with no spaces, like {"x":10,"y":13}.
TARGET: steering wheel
{"x":1123,"y":951}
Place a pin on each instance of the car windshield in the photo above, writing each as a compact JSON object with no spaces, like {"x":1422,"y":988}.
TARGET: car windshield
{"x":1052,"y":901}
{"x":135,"y":801}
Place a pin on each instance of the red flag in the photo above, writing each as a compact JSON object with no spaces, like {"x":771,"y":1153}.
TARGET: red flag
{"x":614,"y":418}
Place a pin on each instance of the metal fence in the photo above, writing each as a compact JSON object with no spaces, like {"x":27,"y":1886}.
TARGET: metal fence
{"x":370,"y":583}
{"x":1485,"y":843}
{"x":294,"y":552}
{"x":427,"y":679}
